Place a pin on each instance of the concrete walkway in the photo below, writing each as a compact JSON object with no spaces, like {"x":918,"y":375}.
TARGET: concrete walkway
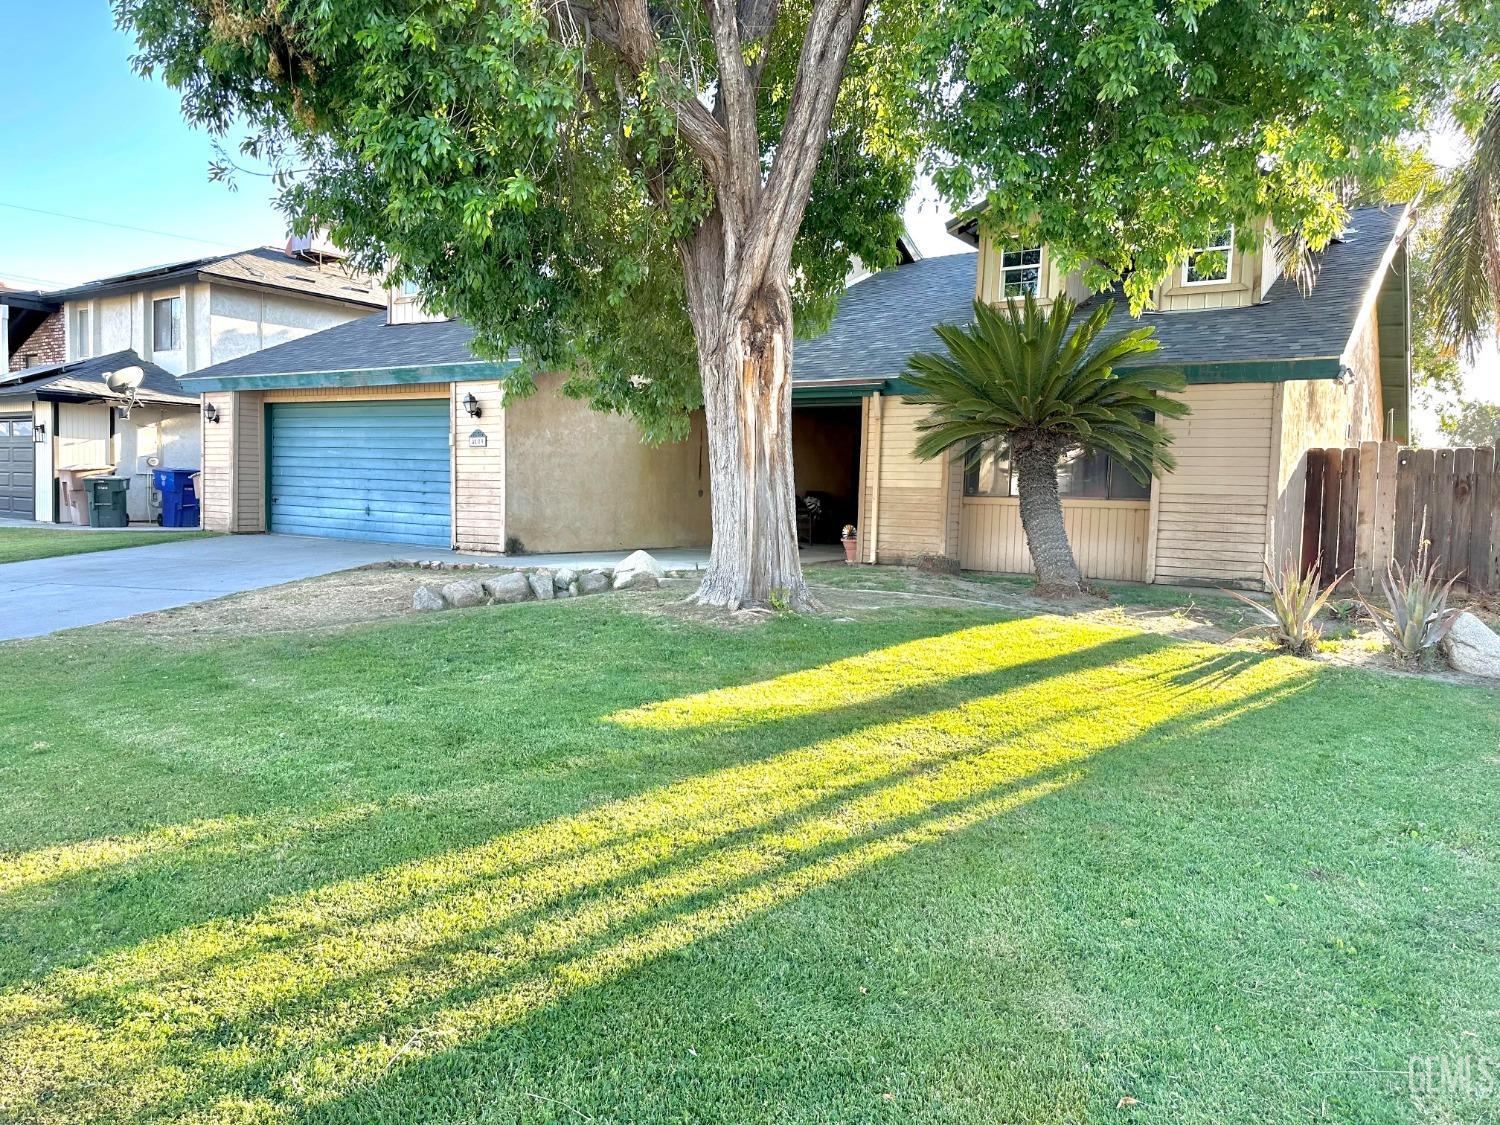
{"x":45,"y":595}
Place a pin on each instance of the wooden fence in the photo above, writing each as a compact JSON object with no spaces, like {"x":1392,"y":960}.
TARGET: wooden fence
{"x":1369,"y":505}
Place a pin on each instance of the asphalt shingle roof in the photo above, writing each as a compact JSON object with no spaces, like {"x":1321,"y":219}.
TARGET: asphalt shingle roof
{"x":885,"y":319}
{"x":356,"y":345}
{"x":85,"y":378}
{"x":261,"y":266}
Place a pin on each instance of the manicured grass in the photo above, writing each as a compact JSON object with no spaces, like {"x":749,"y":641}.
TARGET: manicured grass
{"x":18,"y":544}
{"x":564,"y":861}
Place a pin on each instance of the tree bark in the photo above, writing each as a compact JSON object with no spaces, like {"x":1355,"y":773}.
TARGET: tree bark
{"x":1057,"y":573}
{"x":747,"y":399}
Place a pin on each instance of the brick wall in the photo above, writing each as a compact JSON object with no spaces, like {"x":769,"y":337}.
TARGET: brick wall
{"x":46,"y":345}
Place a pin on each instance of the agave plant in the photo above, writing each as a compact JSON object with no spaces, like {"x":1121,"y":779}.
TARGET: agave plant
{"x":1292,"y":616}
{"x":1416,"y":615}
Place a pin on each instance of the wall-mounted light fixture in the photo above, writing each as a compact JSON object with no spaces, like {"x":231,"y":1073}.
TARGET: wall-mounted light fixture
{"x":210,"y":412}
{"x":39,"y":433}
{"x":471,"y":405}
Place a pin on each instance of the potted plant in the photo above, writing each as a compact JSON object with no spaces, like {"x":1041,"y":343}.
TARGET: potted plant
{"x":849,"y":537}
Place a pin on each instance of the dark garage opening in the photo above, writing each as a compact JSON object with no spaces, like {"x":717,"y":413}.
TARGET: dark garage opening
{"x":825,"y":458}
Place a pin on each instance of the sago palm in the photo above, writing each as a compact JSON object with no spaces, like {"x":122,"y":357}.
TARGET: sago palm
{"x":1036,"y":386}
{"x":1464,"y":287}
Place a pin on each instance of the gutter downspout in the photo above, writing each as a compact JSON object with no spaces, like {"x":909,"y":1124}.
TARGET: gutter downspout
{"x":876,"y":416}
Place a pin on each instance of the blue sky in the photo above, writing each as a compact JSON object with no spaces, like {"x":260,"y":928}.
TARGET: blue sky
{"x":86,"y":136}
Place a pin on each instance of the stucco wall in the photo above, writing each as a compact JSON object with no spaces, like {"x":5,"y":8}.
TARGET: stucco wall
{"x":580,"y":480}
{"x":241,"y":321}
{"x":172,"y":433}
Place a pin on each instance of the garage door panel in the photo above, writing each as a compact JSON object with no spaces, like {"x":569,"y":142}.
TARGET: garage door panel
{"x":361,"y":470}
{"x":17,"y":467}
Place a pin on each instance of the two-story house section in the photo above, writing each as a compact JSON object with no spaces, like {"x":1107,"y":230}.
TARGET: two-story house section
{"x":1272,"y":371}
{"x":57,"y":410}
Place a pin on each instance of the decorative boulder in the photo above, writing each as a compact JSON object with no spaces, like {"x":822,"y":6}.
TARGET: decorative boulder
{"x":563,"y":578}
{"x":464,"y":593}
{"x":592,"y":582}
{"x":636,"y":580}
{"x":507,"y":588}
{"x":541,"y":584}
{"x":1472,"y":647}
{"x":638,"y":561}
{"x":426,"y":599}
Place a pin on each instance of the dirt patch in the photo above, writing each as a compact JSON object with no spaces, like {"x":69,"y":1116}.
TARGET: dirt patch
{"x":349,"y":597}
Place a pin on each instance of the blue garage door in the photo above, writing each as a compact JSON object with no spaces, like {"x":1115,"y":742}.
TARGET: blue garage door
{"x":361,"y":470}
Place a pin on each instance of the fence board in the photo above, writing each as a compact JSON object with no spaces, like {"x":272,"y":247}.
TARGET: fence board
{"x":1312,"y":509}
{"x":1461,"y":522}
{"x":1483,"y":503}
{"x":1348,"y":511}
{"x":1364,"y":518}
{"x":1328,"y":546}
{"x":1385,"y":511}
{"x":1422,"y":463}
{"x":1440,"y":508}
{"x":1494,"y":545}
{"x":1406,"y":505}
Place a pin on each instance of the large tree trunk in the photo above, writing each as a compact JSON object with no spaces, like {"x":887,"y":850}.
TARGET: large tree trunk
{"x":747,"y":399}
{"x":1057,"y":574}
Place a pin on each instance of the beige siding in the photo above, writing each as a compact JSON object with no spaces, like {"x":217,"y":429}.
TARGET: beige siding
{"x":1108,"y":537}
{"x":580,"y":480}
{"x":1210,"y":515}
{"x":478,"y":471}
{"x":83,"y":436}
{"x":214,"y":495}
{"x":232,"y":488}
{"x":250,"y":463}
{"x":1244,"y":285}
{"x":907,"y":499}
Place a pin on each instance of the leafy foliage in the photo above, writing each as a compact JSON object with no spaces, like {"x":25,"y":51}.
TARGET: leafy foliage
{"x":1472,"y":423}
{"x":1292,"y":616}
{"x":1465,"y":289}
{"x":1416,"y":614}
{"x":1123,"y":134}
{"x":1021,"y":371}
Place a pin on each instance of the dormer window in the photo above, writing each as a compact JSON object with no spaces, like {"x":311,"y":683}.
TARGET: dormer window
{"x":409,"y":289}
{"x":1021,"y":272}
{"x":1211,"y":263}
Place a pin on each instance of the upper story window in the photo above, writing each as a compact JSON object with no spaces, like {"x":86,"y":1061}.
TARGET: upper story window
{"x":1080,"y":475}
{"x":166,"y":324}
{"x":82,"y":340}
{"x":1021,"y":272}
{"x":1210,"y":263}
{"x":409,"y":289}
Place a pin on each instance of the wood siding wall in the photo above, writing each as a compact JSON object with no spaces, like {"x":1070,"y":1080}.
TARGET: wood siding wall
{"x":1209,"y":517}
{"x":1109,"y":537}
{"x":83,"y":436}
{"x":909,"y":501}
{"x":231,"y":489}
{"x":478,"y":471}
{"x":988,"y":286}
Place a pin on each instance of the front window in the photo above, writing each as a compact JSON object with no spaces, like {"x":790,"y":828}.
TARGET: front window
{"x":1021,"y":272}
{"x":81,"y":339}
{"x":166,"y":322}
{"x":1210,"y":263}
{"x":1080,"y":475}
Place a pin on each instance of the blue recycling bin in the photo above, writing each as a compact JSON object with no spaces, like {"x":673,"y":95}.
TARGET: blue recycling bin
{"x":179,"y":503}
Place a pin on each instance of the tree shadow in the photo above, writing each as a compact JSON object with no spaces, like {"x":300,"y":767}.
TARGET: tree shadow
{"x":297,"y":1002}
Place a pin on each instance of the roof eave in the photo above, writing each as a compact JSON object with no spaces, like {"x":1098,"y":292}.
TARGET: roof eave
{"x":474,"y":372}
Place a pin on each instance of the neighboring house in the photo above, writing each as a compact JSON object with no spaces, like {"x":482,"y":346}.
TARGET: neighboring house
{"x":390,"y":428}
{"x":1271,"y":373}
{"x":169,"y":320}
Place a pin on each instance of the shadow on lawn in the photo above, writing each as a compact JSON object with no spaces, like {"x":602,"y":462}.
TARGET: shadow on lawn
{"x":337,"y":991}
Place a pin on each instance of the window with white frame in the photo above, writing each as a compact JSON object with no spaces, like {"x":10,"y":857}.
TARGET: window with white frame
{"x":82,"y":340}
{"x":166,"y":324}
{"x":1021,"y":272}
{"x":1212,"y":262}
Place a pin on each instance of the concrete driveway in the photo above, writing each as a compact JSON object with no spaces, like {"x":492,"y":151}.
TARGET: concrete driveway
{"x":45,"y":595}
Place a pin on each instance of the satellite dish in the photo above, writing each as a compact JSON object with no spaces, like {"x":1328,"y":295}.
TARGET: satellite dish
{"x":125,"y":382}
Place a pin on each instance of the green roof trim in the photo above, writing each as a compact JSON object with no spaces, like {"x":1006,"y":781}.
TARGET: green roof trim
{"x":476,"y":372}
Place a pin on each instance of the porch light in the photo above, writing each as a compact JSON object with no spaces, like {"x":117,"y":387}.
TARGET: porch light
{"x":210,"y":412}
{"x":39,"y":433}
{"x":471,"y":405}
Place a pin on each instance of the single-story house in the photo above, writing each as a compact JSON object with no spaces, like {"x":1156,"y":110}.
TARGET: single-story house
{"x":389,"y":427}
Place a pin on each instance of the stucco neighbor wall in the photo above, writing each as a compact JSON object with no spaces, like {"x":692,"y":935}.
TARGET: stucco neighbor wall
{"x":580,"y":480}
{"x":241,"y":321}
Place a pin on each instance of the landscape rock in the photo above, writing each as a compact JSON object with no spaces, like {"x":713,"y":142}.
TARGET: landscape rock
{"x":563,"y":578}
{"x":1472,"y":647}
{"x":541,"y":584}
{"x":592,"y":582}
{"x":426,"y":599}
{"x":464,"y":593}
{"x":507,"y":588}
{"x":638,"y":562}
{"x":636,"y":580}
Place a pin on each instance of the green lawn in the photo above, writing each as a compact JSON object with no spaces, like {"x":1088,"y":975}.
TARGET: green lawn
{"x":18,"y":544}
{"x":568,"y":862}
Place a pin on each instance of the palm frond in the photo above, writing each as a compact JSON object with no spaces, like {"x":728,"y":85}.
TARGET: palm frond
{"x":1464,"y":287}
